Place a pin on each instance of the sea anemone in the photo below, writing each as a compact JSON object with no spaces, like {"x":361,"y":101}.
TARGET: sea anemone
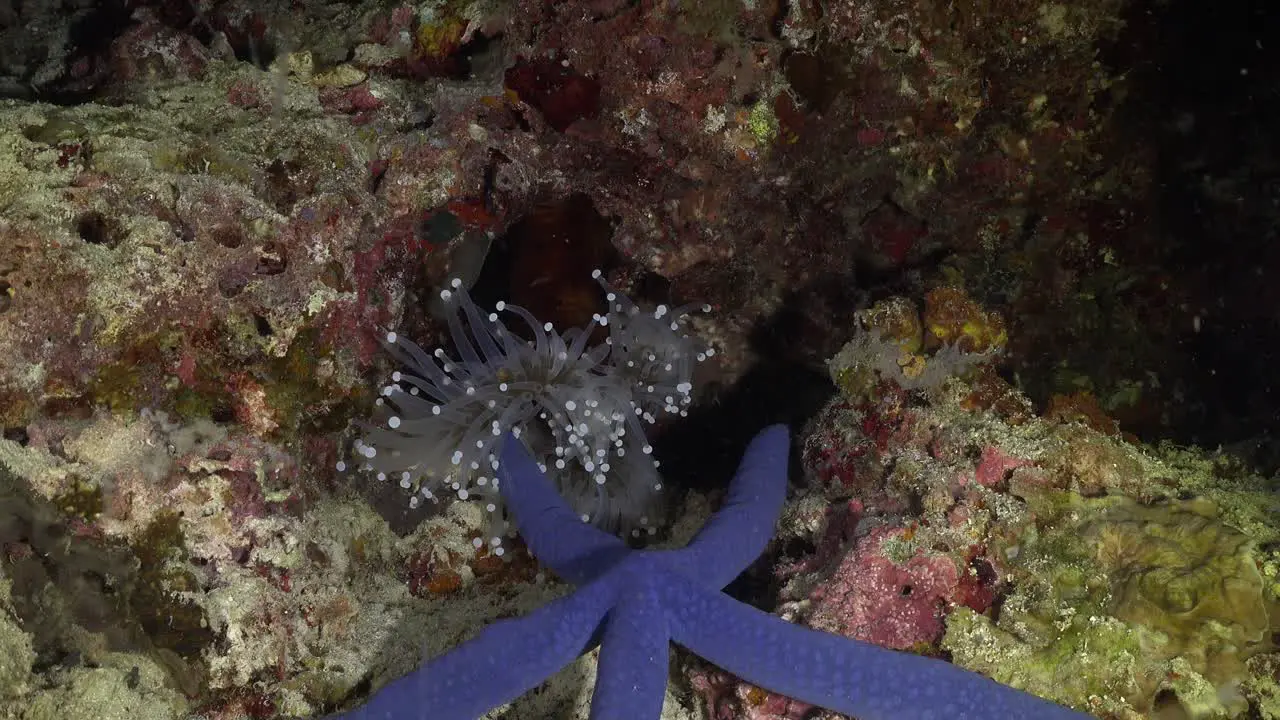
{"x":580,"y":408}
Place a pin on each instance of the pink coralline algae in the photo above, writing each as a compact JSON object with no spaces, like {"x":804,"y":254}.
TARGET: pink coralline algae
{"x":899,"y":605}
{"x":995,"y":465}
{"x":727,"y":698}
{"x":846,"y":448}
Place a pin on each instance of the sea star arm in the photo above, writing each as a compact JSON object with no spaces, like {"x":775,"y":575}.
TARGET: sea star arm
{"x":507,"y":659}
{"x":635,"y":650}
{"x":741,"y":529}
{"x":576,"y":551}
{"x":838,"y":673}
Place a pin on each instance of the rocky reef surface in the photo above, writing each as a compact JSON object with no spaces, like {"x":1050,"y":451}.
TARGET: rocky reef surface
{"x":938,"y":238}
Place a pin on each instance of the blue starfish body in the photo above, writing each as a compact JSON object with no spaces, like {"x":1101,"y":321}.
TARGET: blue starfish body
{"x":635,"y":602}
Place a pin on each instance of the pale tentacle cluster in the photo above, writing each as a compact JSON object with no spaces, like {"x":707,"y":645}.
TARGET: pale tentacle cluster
{"x":582,"y":408}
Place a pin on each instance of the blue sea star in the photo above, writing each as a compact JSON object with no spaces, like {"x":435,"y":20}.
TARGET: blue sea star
{"x":634,"y":603}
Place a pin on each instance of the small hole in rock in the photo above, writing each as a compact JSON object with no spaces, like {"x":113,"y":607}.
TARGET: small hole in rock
{"x":271,"y":259}
{"x":97,"y":229}
{"x":228,"y":236}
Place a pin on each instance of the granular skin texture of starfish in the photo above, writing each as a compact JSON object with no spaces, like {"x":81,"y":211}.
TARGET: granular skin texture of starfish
{"x":634,"y":603}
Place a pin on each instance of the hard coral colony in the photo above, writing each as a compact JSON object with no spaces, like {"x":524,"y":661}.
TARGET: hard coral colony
{"x":581,"y":407}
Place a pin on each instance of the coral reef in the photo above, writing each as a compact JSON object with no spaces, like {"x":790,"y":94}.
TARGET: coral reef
{"x":1124,"y":581}
{"x":211,"y":213}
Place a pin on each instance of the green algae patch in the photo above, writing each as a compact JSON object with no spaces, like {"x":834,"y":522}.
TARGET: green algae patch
{"x":171,"y":622}
{"x":1119,"y":607}
{"x":16,"y":654}
{"x":1263,"y":687}
{"x":81,"y":499}
{"x":293,"y":393}
{"x":1094,"y":657}
{"x":124,"y":687}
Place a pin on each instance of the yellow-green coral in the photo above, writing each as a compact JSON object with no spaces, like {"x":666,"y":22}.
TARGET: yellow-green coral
{"x":892,"y":345}
{"x":763,"y":122}
{"x":1096,"y":657}
{"x":897,"y":320}
{"x":1144,"y":599}
{"x":952,"y":317}
{"x":80,"y":498}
